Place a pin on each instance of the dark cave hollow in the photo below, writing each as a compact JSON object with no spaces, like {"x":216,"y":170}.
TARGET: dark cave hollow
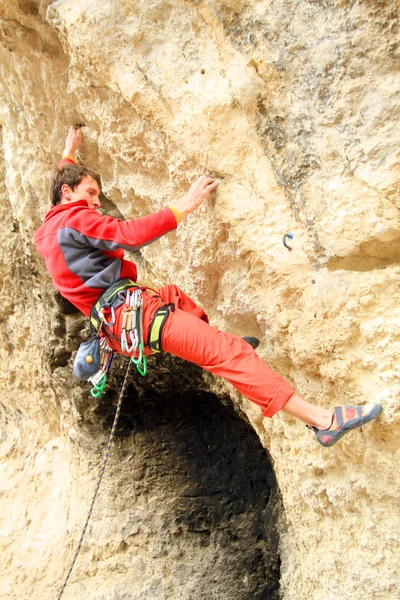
{"x":220,"y":503}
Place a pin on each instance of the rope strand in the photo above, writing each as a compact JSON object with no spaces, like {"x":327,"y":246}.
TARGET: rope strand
{"x":99,"y":478}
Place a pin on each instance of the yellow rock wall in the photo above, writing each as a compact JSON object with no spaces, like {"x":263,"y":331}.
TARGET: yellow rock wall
{"x":295,"y":107}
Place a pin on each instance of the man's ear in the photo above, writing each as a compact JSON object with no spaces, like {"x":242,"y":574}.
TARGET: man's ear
{"x":66,"y":191}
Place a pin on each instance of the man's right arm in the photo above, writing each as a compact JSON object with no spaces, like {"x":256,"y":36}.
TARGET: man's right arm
{"x":85,"y":226}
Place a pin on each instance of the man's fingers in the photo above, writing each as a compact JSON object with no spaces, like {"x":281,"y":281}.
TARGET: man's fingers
{"x":206,"y":178}
{"x":210,"y":185}
{"x":213,"y":184}
{"x":206,"y":182}
{"x":73,"y":140}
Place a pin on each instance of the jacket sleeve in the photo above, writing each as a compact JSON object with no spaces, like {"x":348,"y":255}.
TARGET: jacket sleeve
{"x":87,"y":227}
{"x":67,"y":160}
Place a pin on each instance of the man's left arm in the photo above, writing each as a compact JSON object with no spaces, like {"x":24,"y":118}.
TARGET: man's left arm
{"x":72,"y":144}
{"x":198,"y":192}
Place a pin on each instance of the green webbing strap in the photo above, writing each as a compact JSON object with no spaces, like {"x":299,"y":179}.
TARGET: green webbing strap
{"x":156,"y":328}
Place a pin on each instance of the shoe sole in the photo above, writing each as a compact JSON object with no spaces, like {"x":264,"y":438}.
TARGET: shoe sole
{"x":350,"y":425}
{"x":252,"y":341}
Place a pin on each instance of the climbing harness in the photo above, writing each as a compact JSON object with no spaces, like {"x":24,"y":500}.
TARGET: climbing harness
{"x":99,"y":478}
{"x":157,"y":326}
{"x":102,"y":320}
{"x":94,"y":357}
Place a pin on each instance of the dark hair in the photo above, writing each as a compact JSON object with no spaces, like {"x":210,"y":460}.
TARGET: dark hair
{"x":71,"y":175}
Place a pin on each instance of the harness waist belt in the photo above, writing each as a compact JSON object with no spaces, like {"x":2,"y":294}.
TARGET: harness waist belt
{"x":157,"y":326}
{"x":111,"y":296}
{"x":108,"y":298}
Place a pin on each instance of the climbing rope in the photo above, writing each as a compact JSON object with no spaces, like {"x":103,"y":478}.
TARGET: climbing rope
{"x":99,"y":478}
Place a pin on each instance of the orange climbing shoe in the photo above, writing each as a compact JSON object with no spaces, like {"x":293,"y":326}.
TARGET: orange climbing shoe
{"x":345,"y":419}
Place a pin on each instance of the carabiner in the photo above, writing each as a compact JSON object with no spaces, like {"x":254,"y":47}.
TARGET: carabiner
{"x":134,"y":340}
{"x":142,"y":371}
{"x":98,"y":388}
{"x":110,"y":324}
{"x":124,"y":343}
{"x":137,"y":361}
{"x":141,"y":360}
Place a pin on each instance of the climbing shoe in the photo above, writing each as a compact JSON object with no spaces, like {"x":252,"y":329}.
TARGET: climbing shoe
{"x":253,"y":341}
{"x":345,"y":419}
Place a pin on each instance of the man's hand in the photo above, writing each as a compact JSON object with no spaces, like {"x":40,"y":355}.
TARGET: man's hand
{"x":199,"y":190}
{"x":73,"y":141}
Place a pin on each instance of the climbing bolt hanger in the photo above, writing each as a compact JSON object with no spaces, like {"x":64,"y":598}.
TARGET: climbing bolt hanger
{"x":284,"y":240}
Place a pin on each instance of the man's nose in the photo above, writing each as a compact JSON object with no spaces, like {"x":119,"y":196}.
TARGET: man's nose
{"x":97,"y":202}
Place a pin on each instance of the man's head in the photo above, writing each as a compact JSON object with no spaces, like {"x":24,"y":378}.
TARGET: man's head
{"x":72,"y":183}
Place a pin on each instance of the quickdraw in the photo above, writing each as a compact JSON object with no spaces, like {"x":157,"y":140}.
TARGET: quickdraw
{"x":132,"y":328}
{"x":99,"y":380}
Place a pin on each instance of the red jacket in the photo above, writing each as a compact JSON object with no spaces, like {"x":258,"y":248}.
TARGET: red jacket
{"x":83,"y":250}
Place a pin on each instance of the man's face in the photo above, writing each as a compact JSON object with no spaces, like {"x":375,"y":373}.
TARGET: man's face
{"x":88,"y":190}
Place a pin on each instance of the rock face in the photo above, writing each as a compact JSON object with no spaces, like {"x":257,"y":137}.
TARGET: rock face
{"x":294,"y":106}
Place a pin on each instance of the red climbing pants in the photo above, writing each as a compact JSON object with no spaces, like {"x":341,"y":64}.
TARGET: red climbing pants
{"x":187,"y":334}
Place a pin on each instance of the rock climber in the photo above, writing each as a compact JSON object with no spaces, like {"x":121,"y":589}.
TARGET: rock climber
{"x":83,"y":252}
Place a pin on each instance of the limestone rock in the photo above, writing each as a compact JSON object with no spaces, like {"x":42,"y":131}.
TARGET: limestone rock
{"x":294,"y":106}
